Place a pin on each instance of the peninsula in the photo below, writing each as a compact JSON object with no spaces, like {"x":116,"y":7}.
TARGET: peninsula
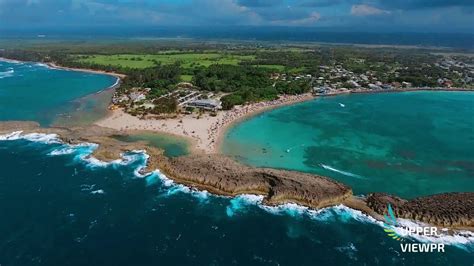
{"x":220,"y":175}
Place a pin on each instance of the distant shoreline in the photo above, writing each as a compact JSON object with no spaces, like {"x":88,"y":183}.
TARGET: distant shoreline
{"x":88,"y":70}
{"x":56,"y":66}
{"x":115,"y":85}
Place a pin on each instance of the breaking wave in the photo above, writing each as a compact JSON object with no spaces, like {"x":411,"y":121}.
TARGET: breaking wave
{"x":82,"y":152}
{"x":342,"y":213}
{"x":33,"y":137}
{"x":237,"y":205}
{"x":6,"y":74}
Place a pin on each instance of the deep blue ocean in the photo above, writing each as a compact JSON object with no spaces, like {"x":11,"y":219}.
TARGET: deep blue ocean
{"x":59,"y":208}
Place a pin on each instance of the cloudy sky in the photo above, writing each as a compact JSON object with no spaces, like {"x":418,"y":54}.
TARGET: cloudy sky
{"x":394,"y":15}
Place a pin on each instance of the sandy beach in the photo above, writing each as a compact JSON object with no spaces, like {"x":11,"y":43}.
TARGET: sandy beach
{"x":207,"y":131}
{"x":53,"y":65}
{"x":118,"y":75}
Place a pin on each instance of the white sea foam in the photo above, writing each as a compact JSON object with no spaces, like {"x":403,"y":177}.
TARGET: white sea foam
{"x":34,"y":137}
{"x":291,"y":209}
{"x":63,"y":151}
{"x":99,"y":191}
{"x":42,"y":65}
{"x":83,"y":151}
{"x":462,"y":239}
{"x":164,"y":179}
{"x":174,"y":188}
{"x":10,"y":61}
{"x":7,"y":74}
{"x":240,"y":203}
{"x":42,"y":138}
{"x":95,"y":163}
{"x":340,"y":213}
{"x":327,"y":167}
{"x":87,"y":187}
{"x":115,"y":84}
{"x":11,"y":136}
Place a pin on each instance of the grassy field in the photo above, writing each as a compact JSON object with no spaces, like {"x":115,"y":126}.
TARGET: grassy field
{"x":186,"y":78}
{"x":272,"y":67}
{"x":187,"y":60}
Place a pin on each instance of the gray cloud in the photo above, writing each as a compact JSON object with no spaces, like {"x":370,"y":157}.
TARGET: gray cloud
{"x":425,"y":4}
{"x":328,"y":13}
{"x":260,"y":3}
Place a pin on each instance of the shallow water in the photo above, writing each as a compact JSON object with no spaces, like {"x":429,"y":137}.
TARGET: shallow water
{"x":409,"y":144}
{"x":172,"y":146}
{"x":59,"y":208}
{"x":31,"y":91}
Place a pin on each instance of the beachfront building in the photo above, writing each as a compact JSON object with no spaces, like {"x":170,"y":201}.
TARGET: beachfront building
{"x":206,"y":104}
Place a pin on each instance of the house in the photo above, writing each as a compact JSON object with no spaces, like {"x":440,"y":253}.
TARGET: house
{"x":122,"y":98}
{"x":406,"y":84}
{"x":373,"y":87}
{"x":137,"y":96}
{"x":321,"y":90}
{"x":206,"y":104}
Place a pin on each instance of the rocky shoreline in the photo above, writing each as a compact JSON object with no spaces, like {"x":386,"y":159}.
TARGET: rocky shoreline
{"x":446,"y":209}
{"x":221,"y":175}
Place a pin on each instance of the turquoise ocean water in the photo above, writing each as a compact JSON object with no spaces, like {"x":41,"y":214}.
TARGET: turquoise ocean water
{"x":59,"y":207}
{"x":30,"y":91}
{"x":408,"y":144}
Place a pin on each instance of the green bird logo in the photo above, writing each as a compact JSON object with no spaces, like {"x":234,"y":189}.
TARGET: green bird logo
{"x":390,"y":224}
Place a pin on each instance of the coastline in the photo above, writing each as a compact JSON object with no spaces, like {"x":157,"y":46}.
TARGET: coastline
{"x":87,"y":70}
{"x":205,"y":133}
{"x":119,"y":77}
{"x":220,"y":175}
{"x":112,"y":149}
{"x":223,"y":130}
{"x":56,"y":66}
{"x":442,"y":89}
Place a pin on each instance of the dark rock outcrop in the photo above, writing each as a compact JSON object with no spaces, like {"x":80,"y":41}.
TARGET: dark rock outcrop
{"x":447,"y":209}
{"x":221,"y":175}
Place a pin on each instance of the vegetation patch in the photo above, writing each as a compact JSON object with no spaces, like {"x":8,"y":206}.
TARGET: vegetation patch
{"x":186,"y":60}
